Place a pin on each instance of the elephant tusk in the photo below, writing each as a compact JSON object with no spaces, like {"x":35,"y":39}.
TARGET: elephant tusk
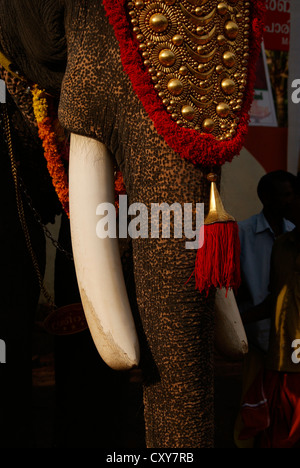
{"x":230,"y":336}
{"x":97,"y":261}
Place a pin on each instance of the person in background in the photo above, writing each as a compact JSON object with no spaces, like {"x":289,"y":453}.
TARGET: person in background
{"x":271,"y":407}
{"x":257,"y":236}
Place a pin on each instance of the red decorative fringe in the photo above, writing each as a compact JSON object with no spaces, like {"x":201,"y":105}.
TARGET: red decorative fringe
{"x":195,"y":147}
{"x":218,"y":260}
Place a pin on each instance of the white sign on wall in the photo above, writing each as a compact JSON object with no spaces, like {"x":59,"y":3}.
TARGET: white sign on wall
{"x":262,"y":112}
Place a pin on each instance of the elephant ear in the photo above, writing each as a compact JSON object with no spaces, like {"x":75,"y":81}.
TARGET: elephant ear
{"x":192,"y":64}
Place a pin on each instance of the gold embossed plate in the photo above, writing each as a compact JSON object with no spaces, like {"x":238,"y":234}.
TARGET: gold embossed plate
{"x":192,"y":64}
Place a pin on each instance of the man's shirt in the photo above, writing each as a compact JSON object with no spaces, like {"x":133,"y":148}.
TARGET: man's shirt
{"x":257,"y":239}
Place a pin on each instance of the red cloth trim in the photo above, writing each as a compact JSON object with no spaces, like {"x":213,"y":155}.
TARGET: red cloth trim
{"x":193,"y":146}
{"x":271,"y":410}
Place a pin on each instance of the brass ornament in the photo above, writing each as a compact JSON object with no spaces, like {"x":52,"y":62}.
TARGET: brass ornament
{"x":177,"y":39}
{"x":183,"y":70}
{"x":231,"y":29}
{"x":229,"y":59}
{"x":188,"y":112}
{"x":222,"y":8}
{"x":223,"y":110}
{"x":208,"y":125}
{"x":217,"y":212}
{"x":158,"y":22}
{"x":175,"y":86}
{"x":196,"y":52}
{"x":167,"y":57}
{"x":228,"y":86}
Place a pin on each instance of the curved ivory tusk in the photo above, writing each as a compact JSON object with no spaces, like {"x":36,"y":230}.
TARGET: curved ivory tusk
{"x":97,"y":261}
{"x":230,"y":336}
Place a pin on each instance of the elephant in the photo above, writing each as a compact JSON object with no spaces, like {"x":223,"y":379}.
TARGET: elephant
{"x":124,"y":98}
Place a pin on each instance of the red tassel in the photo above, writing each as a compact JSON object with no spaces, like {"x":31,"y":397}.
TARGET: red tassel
{"x":218,"y":260}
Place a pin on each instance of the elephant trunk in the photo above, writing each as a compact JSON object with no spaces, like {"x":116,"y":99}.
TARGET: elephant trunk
{"x":97,"y":260}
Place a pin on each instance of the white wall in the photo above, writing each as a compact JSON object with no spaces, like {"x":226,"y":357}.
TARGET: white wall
{"x":238,"y":186}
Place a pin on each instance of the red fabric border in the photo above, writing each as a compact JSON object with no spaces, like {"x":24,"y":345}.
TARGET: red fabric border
{"x":198,"y":148}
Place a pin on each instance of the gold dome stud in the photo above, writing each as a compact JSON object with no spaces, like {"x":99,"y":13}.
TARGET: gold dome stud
{"x":222,"y":8}
{"x":221,"y":39}
{"x":228,"y":86}
{"x":188,"y":112}
{"x":167,"y":57}
{"x":231,"y":29}
{"x":158,"y":22}
{"x":229,"y":59}
{"x":175,"y":87}
{"x":208,"y":125}
{"x":223,"y":110}
{"x":183,"y":70}
{"x":177,"y":39}
{"x":139,"y":4}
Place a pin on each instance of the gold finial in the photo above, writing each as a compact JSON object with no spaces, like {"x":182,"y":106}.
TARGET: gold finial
{"x":217,"y":212}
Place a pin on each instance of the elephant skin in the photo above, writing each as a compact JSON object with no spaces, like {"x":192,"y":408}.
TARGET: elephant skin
{"x":96,"y":99}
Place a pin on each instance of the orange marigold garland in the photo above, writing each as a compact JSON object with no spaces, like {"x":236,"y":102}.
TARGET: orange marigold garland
{"x":56,"y":150}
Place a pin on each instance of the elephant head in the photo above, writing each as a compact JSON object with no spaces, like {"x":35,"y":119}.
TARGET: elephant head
{"x":160,"y":90}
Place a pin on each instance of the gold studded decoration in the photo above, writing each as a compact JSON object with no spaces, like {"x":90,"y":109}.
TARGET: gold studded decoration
{"x":196,"y":52}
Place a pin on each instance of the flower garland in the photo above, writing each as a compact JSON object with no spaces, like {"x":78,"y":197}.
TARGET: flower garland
{"x":55,"y":149}
{"x":198,"y":148}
